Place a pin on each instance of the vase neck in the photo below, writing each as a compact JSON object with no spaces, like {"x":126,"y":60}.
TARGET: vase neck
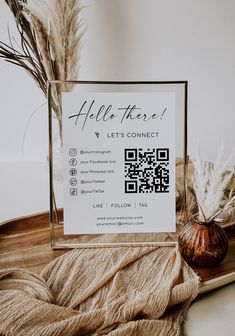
{"x":212,"y":222}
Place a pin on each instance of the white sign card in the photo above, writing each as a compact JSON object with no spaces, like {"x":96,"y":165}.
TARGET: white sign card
{"x":119,"y":162}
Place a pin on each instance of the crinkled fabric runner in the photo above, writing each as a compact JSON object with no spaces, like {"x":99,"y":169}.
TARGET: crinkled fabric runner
{"x":129,"y":291}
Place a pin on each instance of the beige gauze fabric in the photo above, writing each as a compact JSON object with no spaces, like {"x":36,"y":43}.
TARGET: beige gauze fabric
{"x":129,"y":291}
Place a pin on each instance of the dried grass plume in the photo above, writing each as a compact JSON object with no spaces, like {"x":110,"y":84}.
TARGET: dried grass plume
{"x":210,"y":183}
{"x":50,"y":33}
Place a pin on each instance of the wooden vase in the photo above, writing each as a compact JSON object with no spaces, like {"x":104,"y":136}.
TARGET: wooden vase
{"x":203,"y":244}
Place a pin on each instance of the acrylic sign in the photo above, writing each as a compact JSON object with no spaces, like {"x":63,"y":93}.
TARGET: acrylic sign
{"x":119,"y":162}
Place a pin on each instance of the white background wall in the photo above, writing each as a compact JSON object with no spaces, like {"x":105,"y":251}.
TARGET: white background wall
{"x":190,"y":40}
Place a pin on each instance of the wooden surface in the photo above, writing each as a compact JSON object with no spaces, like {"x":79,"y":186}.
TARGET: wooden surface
{"x":25,"y":243}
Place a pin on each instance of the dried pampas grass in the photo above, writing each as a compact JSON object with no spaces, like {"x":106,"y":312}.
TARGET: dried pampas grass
{"x":59,"y":19}
{"x":50,"y":32}
{"x":210,"y":183}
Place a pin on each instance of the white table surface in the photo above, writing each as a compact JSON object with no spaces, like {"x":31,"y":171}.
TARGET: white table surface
{"x":24,"y":191}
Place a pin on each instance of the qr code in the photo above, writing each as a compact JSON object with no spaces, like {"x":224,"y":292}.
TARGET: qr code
{"x":147,"y":171}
